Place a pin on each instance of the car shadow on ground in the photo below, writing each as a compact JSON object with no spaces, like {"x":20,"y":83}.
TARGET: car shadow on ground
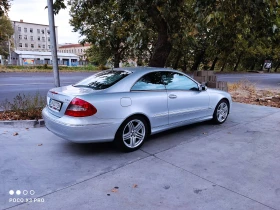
{"x":169,"y":136}
{"x":88,"y":149}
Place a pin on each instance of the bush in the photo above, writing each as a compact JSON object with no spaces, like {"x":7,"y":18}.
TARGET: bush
{"x":24,"y":106}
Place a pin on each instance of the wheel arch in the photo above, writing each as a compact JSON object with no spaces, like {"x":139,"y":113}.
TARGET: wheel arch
{"x":134,"y":115}
{"x":226,"y":99}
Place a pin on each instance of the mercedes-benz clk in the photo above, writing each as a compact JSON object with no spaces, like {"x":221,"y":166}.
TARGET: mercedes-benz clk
{"x":126,"y":105}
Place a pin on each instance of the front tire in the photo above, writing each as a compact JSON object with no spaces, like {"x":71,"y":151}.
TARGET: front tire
{"x":221,"y":112}
{"x":131,"y":134}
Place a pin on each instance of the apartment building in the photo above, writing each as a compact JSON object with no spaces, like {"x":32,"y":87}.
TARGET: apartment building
{"x":32,"y":36}
{"x":77,"y":49}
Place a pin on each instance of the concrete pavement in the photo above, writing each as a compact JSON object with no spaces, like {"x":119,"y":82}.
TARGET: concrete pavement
{"x":202,"y":166}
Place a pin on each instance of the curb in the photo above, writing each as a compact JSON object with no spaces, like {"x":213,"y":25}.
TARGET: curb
{"x":23,"y":123}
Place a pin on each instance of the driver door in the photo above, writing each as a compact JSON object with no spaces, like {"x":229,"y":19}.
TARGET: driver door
{"x":185,"y":101}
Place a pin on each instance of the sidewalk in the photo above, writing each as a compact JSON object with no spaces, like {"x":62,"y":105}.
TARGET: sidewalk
{"x":203,"y":166}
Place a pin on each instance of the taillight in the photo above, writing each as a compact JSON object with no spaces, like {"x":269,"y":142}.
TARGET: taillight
{"x":80,"y":108}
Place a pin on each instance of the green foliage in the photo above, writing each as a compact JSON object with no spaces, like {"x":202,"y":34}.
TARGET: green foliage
{"x":6,"y":31}
{"x":49,"y":68}
{"x":4,"y":7}
{"x":185,"y":34}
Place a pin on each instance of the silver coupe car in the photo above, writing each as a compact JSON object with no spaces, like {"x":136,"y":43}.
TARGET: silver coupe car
{"x":126,"y":105}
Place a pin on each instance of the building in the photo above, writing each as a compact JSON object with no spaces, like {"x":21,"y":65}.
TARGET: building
{"x":39,"y":58}
{"x":77,"y":49}
{"x":31,"y":36}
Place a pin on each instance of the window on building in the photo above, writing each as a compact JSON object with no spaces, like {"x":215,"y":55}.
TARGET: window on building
{"x":25,"y":30}
{"x":19,"y":28}
{"x":48,"y":31}
{"x":49,"y":46}
{"x":39,"y":45}
{"x":20,"y":36}
{"x":25,"y":37}
{"x":49,"y":39}
{"x":39,"y":38}
{"x":20,"y":44}
{"x":26,"y":45}
{"x":31,"y":30}
{"x":43,"y":38}
{"x":38,"y":31}
{"x":32,"y":45}
{"x":74,"y":50}
{"x":44,"y":46}
{"x":43,"y":31}
{"x":31,"y":38}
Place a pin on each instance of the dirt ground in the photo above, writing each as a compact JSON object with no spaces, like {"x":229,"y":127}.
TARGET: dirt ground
{"x":246,"y":92}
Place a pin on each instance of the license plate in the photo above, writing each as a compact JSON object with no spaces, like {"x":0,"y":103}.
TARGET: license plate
{"x":55,"y":105}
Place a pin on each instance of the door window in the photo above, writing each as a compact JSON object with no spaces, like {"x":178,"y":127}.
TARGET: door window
{"x":151,"y":81}
{"x":177,"y":81}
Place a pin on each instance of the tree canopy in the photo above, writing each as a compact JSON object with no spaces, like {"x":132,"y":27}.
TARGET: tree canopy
{"x":4,"y":6}
{"x":6,"y":31}
{"x":184,"y":34}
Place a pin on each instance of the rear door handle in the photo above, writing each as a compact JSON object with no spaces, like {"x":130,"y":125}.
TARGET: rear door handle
{"x":172,"y":96}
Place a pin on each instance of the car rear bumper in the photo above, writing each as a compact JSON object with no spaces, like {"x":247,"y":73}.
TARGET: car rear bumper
{"x":80,"y":133}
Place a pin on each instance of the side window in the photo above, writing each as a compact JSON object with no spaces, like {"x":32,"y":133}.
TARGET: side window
{"x":176,"y":81}
{"x":151,"y":81}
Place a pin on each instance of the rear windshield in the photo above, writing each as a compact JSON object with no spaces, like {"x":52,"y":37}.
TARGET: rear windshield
{"x":103,"y":80}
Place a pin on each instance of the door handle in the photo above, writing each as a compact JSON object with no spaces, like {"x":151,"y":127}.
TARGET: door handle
{"x":172,"y":96}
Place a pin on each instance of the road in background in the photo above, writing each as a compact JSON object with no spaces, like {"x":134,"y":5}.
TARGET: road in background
{"x":11,"y":84}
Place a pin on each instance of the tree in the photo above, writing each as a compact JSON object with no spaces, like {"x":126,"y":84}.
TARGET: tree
{"x":180,"y":33}
{"x":4,"y":6}
{"x":6,"y":31}
{"x":107,"y":26}
{"x":124,"y":20}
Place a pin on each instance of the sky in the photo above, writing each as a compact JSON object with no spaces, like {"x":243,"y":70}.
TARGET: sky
{"x":33,"y":11}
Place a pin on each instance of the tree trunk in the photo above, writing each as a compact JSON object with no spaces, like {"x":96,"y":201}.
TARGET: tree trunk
{"x":214,"y":64}
{"x":277,"y":67}
{"x":253,"y":66}
{"x":117,"y":60}
{"x":178,"y":57}
{"x":198,"y":60}
{"x":261,"y":69}
{"x":238,"y":62}
{"x":224,"y":65}
{"x":163,"y":45}
{"x":185,"y":65}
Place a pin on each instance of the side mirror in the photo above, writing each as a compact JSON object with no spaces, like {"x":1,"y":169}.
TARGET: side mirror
{"x":202,"y":87}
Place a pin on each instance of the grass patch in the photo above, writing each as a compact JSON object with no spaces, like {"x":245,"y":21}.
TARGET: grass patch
{"x":23,"y":107}
{"x":47,"y":68}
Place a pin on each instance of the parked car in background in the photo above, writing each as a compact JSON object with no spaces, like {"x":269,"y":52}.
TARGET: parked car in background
{"x":126,"y":105}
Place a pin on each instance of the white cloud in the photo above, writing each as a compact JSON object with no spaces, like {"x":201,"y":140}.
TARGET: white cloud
{"x":33,"y":11}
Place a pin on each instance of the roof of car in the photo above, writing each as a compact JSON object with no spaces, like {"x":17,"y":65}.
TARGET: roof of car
{"x":143,"y":69}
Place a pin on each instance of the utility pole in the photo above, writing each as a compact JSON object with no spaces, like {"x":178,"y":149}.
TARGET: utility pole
{"x":9,"y":50}
{"x":53,"y":44}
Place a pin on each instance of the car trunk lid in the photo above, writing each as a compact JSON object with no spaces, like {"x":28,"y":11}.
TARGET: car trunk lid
{"x":59,"y":98}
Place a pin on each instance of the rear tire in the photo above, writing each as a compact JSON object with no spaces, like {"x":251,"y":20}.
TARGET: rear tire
{"x":131,"y":134}
{"x":221,"y":112}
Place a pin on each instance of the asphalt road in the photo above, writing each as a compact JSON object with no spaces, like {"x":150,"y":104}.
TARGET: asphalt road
{"x":11,"y":84}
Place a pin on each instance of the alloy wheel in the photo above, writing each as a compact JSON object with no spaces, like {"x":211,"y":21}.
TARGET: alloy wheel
{"x":133,"y":133}
{"x":222,"y":112}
